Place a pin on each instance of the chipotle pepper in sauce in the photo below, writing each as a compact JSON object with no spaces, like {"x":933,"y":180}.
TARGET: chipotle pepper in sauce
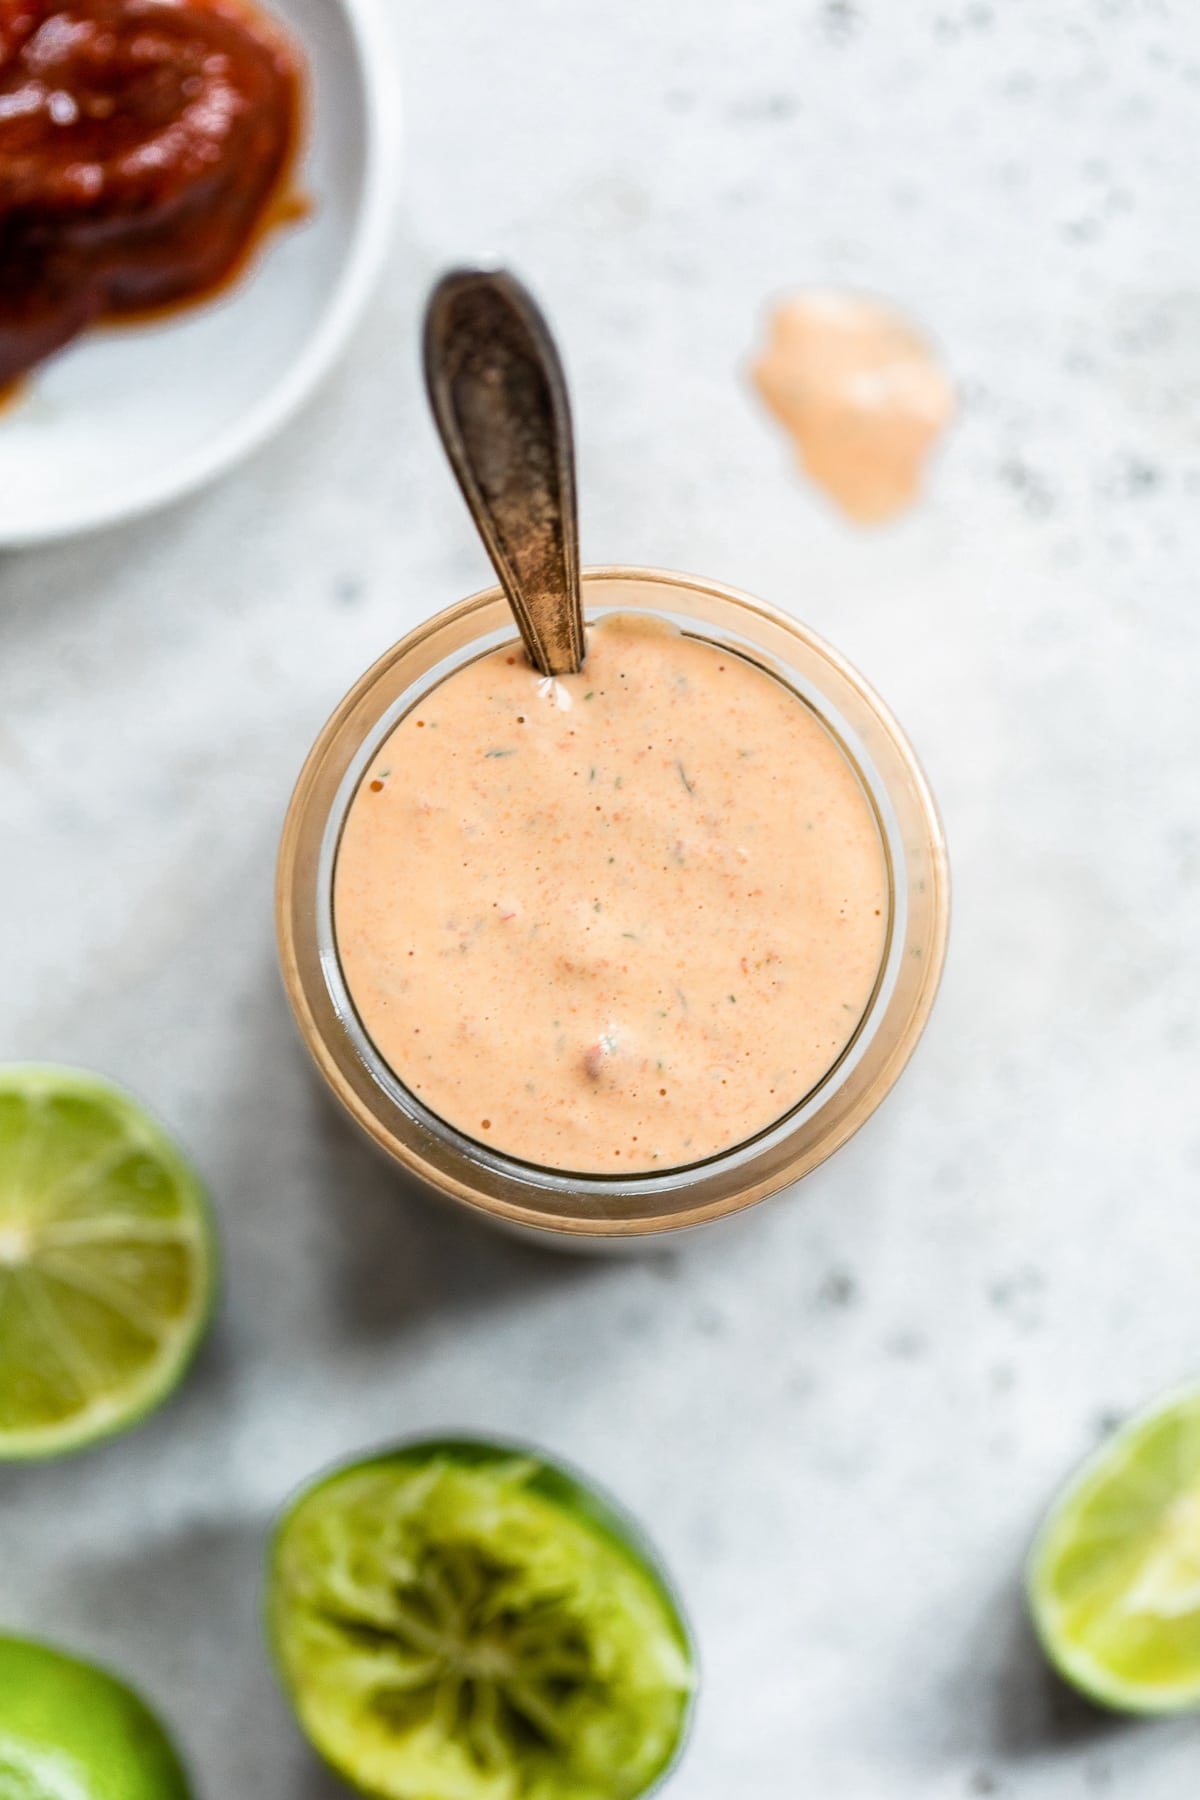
{"x":142,"y":143}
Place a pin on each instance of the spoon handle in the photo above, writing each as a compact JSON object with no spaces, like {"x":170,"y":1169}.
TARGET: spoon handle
{"x":499,"y":399}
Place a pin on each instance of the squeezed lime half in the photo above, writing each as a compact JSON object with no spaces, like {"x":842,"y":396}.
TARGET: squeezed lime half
{"x":71,"y":1731}
{"x":1114,"y":1576}
{"x":465,"y":1621}
{"x":107,"y":1261}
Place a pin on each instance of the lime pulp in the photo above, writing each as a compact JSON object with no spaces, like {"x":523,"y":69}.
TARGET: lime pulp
{"x":1114,"y":1575}
{"x":464,"y":1621}
{"x":107,"y":1261}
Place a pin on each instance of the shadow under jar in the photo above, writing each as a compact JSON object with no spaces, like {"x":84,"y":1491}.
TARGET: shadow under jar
{"x":583,"y":1206}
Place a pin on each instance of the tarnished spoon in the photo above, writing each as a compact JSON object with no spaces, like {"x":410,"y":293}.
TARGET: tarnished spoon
{"x":499,"y":397}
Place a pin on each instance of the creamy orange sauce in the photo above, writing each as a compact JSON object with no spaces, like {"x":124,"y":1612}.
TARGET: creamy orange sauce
{"x":617,"y":922}
{"x":862,"y":395}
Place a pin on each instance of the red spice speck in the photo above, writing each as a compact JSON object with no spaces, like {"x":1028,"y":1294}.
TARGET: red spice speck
{"x":377,"y":787}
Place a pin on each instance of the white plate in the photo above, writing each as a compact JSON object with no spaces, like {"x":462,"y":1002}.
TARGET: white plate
{"x":127,"y":419}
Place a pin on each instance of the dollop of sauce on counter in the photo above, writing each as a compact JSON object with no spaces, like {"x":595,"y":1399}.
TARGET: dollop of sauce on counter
{"x":616,"y":922}
{"x":862,"y":395}
{"x":142,"y":146}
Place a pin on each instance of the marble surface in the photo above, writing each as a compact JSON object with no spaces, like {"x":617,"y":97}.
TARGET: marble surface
{"x":843,"y":1418}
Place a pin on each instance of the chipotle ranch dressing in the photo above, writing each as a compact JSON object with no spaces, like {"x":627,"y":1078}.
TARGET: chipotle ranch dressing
{"x":616,"y":922}
{"x":861,"y":395}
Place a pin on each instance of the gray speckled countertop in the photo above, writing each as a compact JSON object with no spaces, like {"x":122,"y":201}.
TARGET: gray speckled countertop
{"x":842,"y":1418}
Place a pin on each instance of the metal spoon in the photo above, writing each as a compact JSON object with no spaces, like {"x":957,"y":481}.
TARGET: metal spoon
{"x":499,"y":397}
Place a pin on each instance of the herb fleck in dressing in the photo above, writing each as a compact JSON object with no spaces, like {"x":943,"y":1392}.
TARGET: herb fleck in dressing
{"x":666,"y":907}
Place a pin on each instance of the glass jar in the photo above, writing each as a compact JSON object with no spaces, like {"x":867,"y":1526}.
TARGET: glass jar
{"x":589,"y":1207}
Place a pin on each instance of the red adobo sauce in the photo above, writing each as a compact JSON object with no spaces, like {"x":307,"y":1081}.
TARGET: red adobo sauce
{"x":143,"y":144}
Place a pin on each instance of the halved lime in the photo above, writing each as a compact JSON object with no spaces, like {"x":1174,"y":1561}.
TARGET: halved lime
{"x":1114,"y":1576}
{"x":464,"y":1621}
{"x":71,"y":1731}
{"x":107,"y":1261}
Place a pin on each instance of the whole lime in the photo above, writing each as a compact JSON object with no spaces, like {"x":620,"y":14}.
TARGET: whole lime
{"x":71,"y":1731}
